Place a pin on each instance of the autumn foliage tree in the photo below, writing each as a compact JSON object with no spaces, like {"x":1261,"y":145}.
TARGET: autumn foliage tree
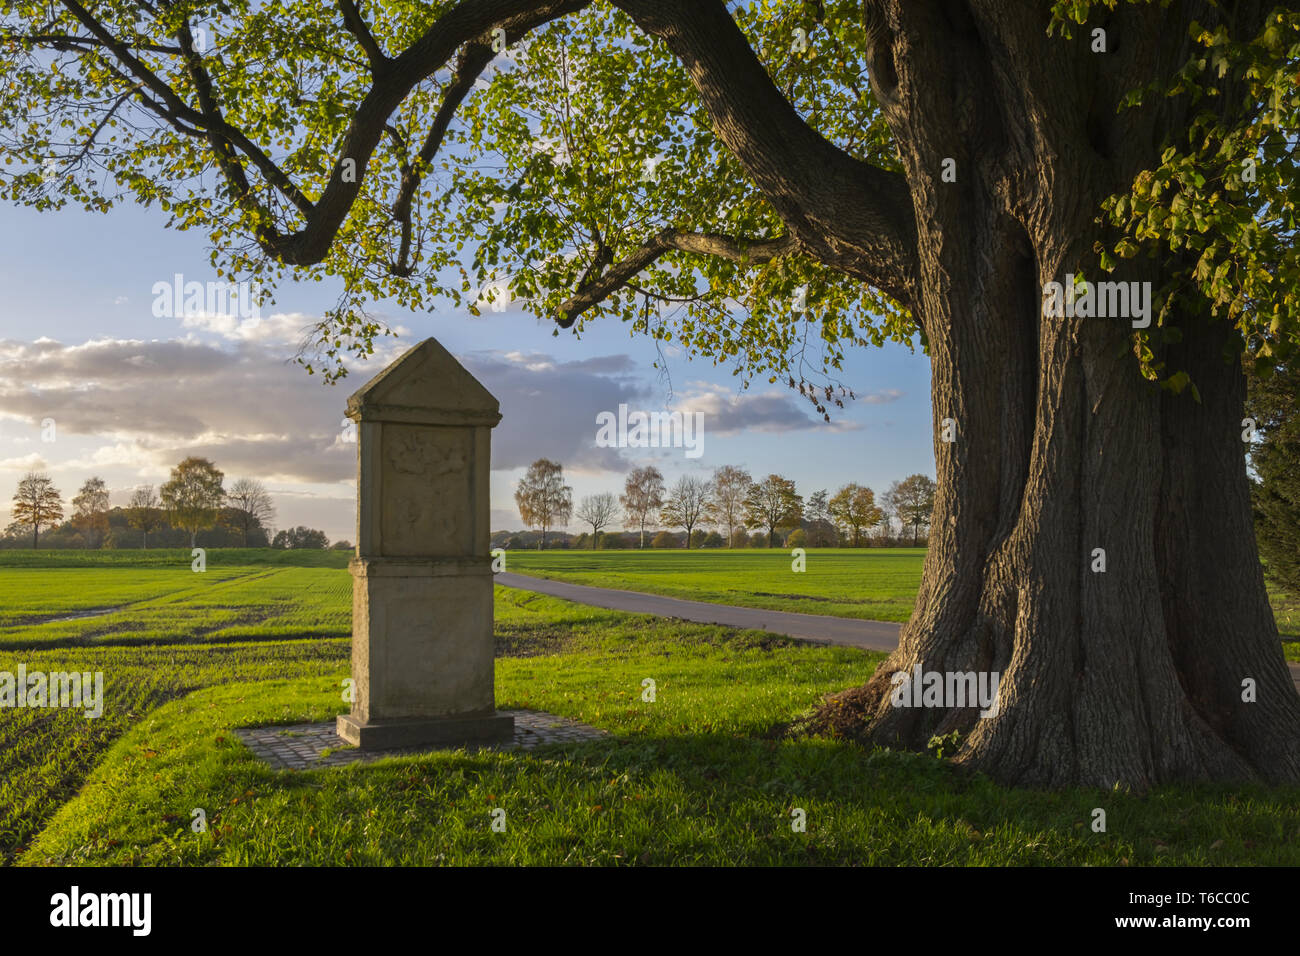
{"x":773,"y":504}
{"x":193,"y":496}
{"x":37,"y":504}
{"x":911,"y":501}
{"x":90,"y":510}
{"x":853,"y":508}
{"x":543,"y":499}
{"x":726,"y":505}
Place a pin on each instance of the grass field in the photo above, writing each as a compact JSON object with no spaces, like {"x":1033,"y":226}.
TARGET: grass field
{"x":122,"y":605}
{"x":46,"y":754}
{"x":700,"y":775}
{"x":877,"y":584}
{"x":156,"y":630}
{"x":174,"y":558}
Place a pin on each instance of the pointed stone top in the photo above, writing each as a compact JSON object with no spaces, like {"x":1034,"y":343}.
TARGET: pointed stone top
{"x":425,"y":386}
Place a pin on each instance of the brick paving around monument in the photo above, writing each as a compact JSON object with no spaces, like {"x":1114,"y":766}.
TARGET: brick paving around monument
{"x":303,"y":746}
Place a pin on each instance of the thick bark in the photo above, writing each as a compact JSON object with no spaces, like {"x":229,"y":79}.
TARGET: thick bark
{"x":1132,"y":675}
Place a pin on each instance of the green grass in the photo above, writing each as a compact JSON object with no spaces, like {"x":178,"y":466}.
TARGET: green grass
{"x":34,"y":595}
{"x":174,"y":606}
{"x":46,"y":754}
{"x":878,"y":584}
{"x":869,"y":583}
{"x":875,"y":584}
{"x":696,"y":777}
{"x":264,"y":617}
{"x":174,"y":558}
{"x":1286,"y":611}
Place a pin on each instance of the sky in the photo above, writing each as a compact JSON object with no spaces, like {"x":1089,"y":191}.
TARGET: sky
{"x":131,"y":393}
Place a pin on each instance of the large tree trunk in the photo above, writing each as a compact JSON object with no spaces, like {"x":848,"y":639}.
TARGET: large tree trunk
{"x":1132,"y":675}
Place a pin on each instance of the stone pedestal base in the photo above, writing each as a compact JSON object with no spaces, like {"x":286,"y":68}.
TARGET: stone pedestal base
{"x":428,"y":731}
{"x":422,"y":651}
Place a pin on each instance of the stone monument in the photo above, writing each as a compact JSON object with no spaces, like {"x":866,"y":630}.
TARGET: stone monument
{"x":422,"y":644}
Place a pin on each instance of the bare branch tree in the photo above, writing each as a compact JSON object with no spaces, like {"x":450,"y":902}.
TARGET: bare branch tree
{"x":686,"y":504}
{"x":643,"y":495}
{"x":598,"y":511}
{"x":726,"y":507}
{"x":143,"y":512}
{"x":253,"y":505}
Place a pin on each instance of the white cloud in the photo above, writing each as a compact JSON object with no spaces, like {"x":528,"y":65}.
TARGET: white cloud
{"x":280,"y":328}
{"x":148,"y":404}
{"x":129,"y":409}
{"x":132,"y":455}
{"x":32,"y":462}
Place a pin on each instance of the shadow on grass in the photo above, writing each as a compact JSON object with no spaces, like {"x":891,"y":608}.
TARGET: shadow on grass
{"x":694,"y":799}
{"x":688,"y":780}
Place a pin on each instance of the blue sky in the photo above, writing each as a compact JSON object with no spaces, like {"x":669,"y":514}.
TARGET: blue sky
{"x":132,"y":394}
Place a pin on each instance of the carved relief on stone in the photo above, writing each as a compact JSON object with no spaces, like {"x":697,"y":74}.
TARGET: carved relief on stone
{"x":412,"y":453}
{"x":427,"y":490}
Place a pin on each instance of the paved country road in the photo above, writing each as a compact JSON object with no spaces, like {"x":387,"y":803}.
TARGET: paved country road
{"x":871,"y":635}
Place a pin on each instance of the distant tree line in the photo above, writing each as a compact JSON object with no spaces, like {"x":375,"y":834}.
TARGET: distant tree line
{"x":728,"y":509}
{"x":191,"y":502}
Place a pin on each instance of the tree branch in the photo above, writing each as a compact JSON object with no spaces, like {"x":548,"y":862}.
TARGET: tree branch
{"x":599,"y":282}
{"x":473,"y":60}
{"x":108,"y":116}
{"x":379,"y":61}
{"x":180,"y":111}
{"x":469,"y":24}
{"x":850,"y":214}
{"x":472,"y":20}
{"x":829,"y":199}
{"x":225,"y":153}
{"x":66,"y":42}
